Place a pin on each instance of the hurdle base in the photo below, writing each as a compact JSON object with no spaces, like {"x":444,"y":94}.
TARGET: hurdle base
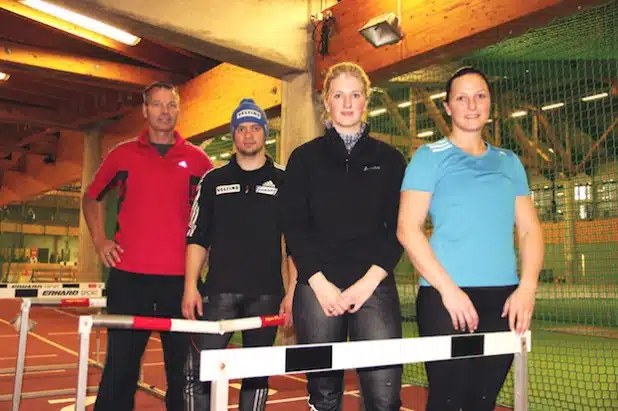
{"x":5,"y":371}
{"x":46,"y":393}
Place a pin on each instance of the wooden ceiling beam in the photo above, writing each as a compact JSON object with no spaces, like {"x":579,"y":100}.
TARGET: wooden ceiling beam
{"x":26,"y":98}
{"x":28,"y":83}
{"x":206,"y":103}
{"x":66,"y":170}
{"x":145,"y":51}
{"x":434,"y":31}
{"x":82,"y":69}
{"x":14,"y":113}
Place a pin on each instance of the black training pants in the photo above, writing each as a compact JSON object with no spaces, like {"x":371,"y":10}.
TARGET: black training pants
{"x":470,"y":384}
{"x":144,"y":295}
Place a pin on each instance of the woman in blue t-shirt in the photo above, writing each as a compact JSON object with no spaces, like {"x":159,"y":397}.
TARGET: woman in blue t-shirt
{"x":475,"y":194}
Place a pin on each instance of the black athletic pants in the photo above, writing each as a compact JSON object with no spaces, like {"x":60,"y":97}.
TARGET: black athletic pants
{"x":146,"y":295}
{"x":226,"y":306}
{"x":466,"y":384}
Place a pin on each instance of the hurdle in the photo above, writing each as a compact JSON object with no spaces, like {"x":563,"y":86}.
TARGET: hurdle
{"x":88,"y":322}
{"x":220,"y":366}
{"x":20,"y":367}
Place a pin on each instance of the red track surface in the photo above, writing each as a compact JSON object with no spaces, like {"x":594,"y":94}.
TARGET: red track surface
{"x":55,"y":341}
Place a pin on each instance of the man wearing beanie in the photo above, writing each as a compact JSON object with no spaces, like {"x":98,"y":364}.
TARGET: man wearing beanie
{"x":235,"y":218}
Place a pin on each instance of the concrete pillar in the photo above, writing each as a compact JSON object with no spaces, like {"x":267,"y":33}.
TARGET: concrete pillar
{"x":300,"y":122}
{"x":413,"y":131}
{"x":570,"y":217}
{"x":300,"y":114}
{"x":89,"y":265}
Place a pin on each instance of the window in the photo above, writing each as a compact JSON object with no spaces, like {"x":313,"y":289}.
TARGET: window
{"x":582,"y":193}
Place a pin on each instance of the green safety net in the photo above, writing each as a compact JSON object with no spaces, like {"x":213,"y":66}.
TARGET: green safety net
{"x":554,"y":95}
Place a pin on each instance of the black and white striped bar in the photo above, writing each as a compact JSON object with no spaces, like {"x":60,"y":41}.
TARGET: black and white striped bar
{"x":266,"y":361}
{"x":220,"y":366}
{"x":52,"y":290}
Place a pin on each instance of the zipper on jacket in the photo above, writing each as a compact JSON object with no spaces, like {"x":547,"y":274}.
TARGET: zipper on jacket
{"x":347,"y":160}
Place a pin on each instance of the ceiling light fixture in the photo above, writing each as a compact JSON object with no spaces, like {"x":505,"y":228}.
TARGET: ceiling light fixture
{"x":83,"y":21}
{"x":552,"y":106}
{"x":377,"y":112}
{"x":427,"y":133}
{"x":595,"y":97}
{"x":382,"y":30}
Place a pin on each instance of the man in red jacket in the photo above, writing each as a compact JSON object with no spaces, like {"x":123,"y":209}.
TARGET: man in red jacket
{"x":156,"y":174}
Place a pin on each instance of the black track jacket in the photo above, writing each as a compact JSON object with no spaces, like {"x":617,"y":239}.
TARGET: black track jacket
{"x":340,"y":210}
{"x":237,"y":214}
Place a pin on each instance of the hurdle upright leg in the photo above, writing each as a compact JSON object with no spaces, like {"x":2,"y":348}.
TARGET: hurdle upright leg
{"x":21,"y":352}
{"x":219,"y":395}
{"x":85,"y":328}
{"x":521,"y":378}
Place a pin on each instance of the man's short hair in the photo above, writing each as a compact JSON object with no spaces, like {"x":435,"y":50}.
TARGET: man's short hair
{"x":157,"y":85}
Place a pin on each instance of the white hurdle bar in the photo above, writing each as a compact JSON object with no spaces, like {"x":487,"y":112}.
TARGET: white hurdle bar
{"x":220,"y":366}
{"x":24,"y":319}
{"x":88,"y":322}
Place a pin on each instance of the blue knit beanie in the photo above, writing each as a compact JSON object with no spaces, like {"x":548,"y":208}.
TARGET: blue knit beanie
{"x":249,"y":112}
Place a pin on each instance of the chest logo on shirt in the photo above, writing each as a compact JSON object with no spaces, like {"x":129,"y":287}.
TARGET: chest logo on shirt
{"x":267,"y":188}
{"x":371,"y":168}
{"x":183,"y":164}
{"x":227,"y":189}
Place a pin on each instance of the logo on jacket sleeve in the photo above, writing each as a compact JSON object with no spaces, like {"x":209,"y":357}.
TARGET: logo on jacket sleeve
{"x":371,"y":168}
{"x":227,"y":189}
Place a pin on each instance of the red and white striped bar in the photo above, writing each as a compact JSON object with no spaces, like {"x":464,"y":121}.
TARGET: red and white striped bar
{"x":220,"y":366}
{"x":70,"y":302}
{"x":185,"y":326}
{"x":87,"y":322}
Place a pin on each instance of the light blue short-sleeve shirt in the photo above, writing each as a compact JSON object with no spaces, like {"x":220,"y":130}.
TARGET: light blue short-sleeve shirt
{"x":472,"y":210}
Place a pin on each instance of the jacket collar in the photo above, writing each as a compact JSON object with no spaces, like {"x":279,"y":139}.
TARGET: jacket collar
{"x":144,"y":140}
{"x":336,"y":145}
{"x":269,"y":163}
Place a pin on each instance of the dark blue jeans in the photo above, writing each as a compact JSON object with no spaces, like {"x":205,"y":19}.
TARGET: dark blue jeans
{"x":469,"y":384}
{"x":226,"y":306}
{"x":378,"y":318}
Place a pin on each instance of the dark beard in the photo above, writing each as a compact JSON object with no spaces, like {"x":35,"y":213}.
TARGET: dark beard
{"x":251,"y":153}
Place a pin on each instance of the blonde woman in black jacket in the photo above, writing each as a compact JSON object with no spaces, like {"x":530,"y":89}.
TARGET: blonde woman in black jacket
{"x":340,"y":206}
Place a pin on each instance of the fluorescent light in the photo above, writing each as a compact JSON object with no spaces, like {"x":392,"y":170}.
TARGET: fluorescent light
{"x":213,"y":157}
{"x":552,"y":106}
{"x":490,"y":121}
{"x":595,"y":97}
{"x":377,"y":112}
{"x":437,"y":96}
{"x":83,"y":21}
{"x":519,"y":114}
{"x":271,"y":141}
{"x":225,"y":155}
{"x":551,"y":150}
{"x":427,"y":133}
{"x":404,"y":104}
{"x":4,"y":76}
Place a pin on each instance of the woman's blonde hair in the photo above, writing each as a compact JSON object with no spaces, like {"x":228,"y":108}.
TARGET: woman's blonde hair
{"x":350,"y":69}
